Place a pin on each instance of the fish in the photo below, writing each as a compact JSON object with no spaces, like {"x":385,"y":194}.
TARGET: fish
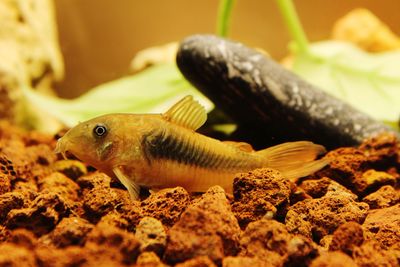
{"x":158,"y":151}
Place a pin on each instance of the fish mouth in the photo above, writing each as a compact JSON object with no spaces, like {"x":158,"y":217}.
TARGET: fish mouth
{"x":61,"y":148}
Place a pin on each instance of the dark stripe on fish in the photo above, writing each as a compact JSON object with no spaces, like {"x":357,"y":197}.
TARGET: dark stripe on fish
{"x":160,"y":145}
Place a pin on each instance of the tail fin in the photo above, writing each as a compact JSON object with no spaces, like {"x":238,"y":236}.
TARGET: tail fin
{"x":294,"y":159}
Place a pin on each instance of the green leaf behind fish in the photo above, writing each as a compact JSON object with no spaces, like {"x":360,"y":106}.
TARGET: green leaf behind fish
{"x":369,"y":82}
{"x":150,"y":91}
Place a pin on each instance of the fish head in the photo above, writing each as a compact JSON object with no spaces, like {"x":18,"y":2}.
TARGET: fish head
{"x":94,"y":141}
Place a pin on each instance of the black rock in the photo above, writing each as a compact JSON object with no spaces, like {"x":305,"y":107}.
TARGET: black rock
{"x":267,"y":99}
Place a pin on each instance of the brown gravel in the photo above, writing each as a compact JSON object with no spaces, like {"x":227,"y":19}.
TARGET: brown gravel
{"x":56,"y":212}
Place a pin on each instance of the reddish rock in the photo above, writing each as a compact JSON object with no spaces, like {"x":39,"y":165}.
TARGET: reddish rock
{"x":371,"y":254}
{"x":386,"y":196}
{"x":28,"y":188}
{"x":200,"y":261}
{"x":166,"y":205}
{"x":110,"y":245}
{"x":316,"y":218}
{"x":100,"y":200}
{"x":244,"y":261}
{"x":115,"y":219}
{"x":300,"y":251}
{"x":5,"y":183}
{"x":259,"y":192}
{"x":205,"y":228}
{"x":47,"y":256}
{"x":12,"y":255}
{"x":73,"y":169}
{"x":325,"y":187}
{"x":371,"y":179}
{"x":346,"y":237}
{"x":131,"y":211}
{"x":384,"y":226}
{"x":23,"y":238}
{"x":41,"y":216}
{"x":366,"y":168}
{"x":270,"y":241}
{"x":149,"y":259}
{"x":382,"y":150}
{"x":346,"y":165}
{"x":333,"y":259}
{"x":4,"y":233}
{"x":70,"y":231}
{"x":61,"y":184}
{"x":325,"y":242}
{"x":7,"y":167}
{"x":151,"y":234}
{"x":10,"y":201}
{"x":92,"y":180}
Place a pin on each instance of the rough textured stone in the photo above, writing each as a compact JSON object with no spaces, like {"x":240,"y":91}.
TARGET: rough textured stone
{"x":371,"y":254}
{"x":149,"y":259}
{"x":73,"y":169}
{"x":244,"y":261}
{"x":325,"y":187}
{"x":41,"y":216}
{"x":12,"y":255}
{"x":346,"y":237}
{"x":206,"y":228}
{"x":166,"y":205}
{"x":70,"y":231}
{"x":10,"y":201}
{"x":316,"y":218}
{"x":100,"y":200}
{"x":109,"y":244}
{"x":333,"y":259}
{"x":258,"y":193}
{"x":384,"y":224}
{"x":270,"y":241}
{"x":151,"y":234}
{"x":61,"y":184}
{"x":386,"y":196}
{"x":200,"y":261}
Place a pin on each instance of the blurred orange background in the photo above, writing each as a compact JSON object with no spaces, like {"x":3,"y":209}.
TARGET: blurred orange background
{"x":98,"y":38}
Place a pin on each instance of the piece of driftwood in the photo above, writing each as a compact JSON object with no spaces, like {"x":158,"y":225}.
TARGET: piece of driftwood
{"x":261,"y":95}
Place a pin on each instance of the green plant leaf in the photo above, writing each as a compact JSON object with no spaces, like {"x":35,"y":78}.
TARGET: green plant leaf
{"x":369,"y":82}
{"x":152,"y":91}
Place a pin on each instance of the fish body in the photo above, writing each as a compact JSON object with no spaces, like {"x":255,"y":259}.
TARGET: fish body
{"x":164,"y":150}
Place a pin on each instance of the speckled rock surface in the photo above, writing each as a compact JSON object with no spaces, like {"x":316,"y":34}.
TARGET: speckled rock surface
{"x":333,"y":259}
{"x":272,"y":99}
{"x":243,"y":261}
{"x":206,"y":228}
{"x":269,"y":240}
{"x":166,"y":205}
{"x":151,"y":234}
{"x":200,"y":261}
{"x":346,"y":237}
{"x":260,"y":193}
{"x":316,"y":218}
{"x":384,"y":197}
{"x":384,"y":224}
{"x":371,"y":254}
{"x":49,"y":218}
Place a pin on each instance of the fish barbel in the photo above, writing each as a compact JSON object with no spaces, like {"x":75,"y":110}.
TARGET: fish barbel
{"x":164,"y":150}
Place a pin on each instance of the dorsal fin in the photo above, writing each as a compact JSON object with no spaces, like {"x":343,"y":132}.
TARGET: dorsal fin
{"x":187,"y":113}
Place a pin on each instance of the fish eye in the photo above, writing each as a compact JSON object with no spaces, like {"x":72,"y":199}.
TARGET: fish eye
{"x":99,"y":130}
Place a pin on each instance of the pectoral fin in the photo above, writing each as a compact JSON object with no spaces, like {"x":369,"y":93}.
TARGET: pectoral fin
{"x":132,"y":187}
